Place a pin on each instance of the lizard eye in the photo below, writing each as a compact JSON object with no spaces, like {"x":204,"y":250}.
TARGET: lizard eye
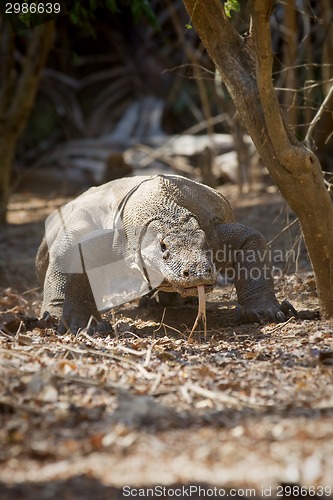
{"x":163,"y":246}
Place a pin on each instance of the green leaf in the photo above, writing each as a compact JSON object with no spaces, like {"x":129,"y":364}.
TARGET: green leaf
{"x":83,"y":12}
{"x":25,"y":18}
{"x":231,"y":5}
{"x":143,"y":8}
{"x":83,"y":17}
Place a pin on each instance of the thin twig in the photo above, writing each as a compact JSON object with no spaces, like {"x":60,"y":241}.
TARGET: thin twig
{"x":235,"y":401}
{"x":161,"y":322}
{"x":174,"y":329}
{"x":158,"y":152}
{"x":88,"y":381}
{"x":19,"y":329}
{"x":280,"y":325}
{"x":283,"y":231}
{"x":128,"y":350}
{"x":121,"y":359}
{"x":6,"y":335}
{"x":186,"y":395}
{"x":148,"y":354}
{"x":156,"y":383}
{"x":317,"y":117}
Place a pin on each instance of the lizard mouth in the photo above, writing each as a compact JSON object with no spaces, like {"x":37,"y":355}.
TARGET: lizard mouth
{"x":190,"y":291}
{"x":185,"y":291}
{"x":193,"y":290}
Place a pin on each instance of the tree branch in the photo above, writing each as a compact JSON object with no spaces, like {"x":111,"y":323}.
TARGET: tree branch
{"x":248,"y":78}
{"x":261,"y":11}
{"x":234,"y":59}
{"x":7,"y":86}
{"x":211,"y":23}
{"x":318,"y":116}
{"x":38,"y":49}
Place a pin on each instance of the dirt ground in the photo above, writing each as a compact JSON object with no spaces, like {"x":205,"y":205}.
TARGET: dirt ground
{"x":246,"y":410}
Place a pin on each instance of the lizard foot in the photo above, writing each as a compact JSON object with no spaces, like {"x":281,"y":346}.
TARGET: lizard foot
{"x":90,"y":325}
{"x":46,"y":321}
{"x":277,"y":313}
{"x":102,"y":328}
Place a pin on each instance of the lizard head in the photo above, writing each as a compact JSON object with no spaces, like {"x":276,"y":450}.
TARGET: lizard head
{"x":179,"y":251}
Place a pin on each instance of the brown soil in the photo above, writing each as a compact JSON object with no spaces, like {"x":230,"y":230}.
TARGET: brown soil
{"x":246,"y":407}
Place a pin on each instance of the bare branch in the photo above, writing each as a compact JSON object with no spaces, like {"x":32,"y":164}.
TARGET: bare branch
{"x":6,"y":68}
{"x":261,"y":11}
{"x":38,"y":49}
{"x":317,"y":117}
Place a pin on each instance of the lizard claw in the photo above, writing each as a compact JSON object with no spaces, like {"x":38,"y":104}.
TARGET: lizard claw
{"x":246,"y":315}
{"x":240,"y":314}
{"x":102,"y":328}
{"x":280,"y":316}
{"x":276,"y":313}
{"x":287,"y":307}
{"x":253,"y":316}
{"x":90,"y":326}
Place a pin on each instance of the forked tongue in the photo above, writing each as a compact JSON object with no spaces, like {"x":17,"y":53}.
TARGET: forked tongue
{"x":201,"y":311}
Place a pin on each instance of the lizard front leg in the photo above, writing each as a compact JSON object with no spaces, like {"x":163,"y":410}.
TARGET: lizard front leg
{"x":54,"y":291}
{"x":245,"y":250}
{"x":79,"y":304}
{"x":68,"y":297}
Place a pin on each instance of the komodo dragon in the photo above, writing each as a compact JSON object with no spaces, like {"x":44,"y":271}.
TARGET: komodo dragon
{"x":120,"y":240}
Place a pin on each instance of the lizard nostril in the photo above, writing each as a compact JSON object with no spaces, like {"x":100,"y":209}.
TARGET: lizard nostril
{"x":186,"y":273}
{"x":166,"y":255}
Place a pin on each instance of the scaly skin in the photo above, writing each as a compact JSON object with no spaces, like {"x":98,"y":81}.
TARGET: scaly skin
{"x":171,"y":224}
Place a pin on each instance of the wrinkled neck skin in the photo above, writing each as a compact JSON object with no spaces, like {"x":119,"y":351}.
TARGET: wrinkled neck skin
{"x":177,"y":247}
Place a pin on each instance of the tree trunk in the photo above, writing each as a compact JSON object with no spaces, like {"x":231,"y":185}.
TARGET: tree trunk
{"x":245,"y":65}
{"x":7,"y":149}
{"x":17,"y":97}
